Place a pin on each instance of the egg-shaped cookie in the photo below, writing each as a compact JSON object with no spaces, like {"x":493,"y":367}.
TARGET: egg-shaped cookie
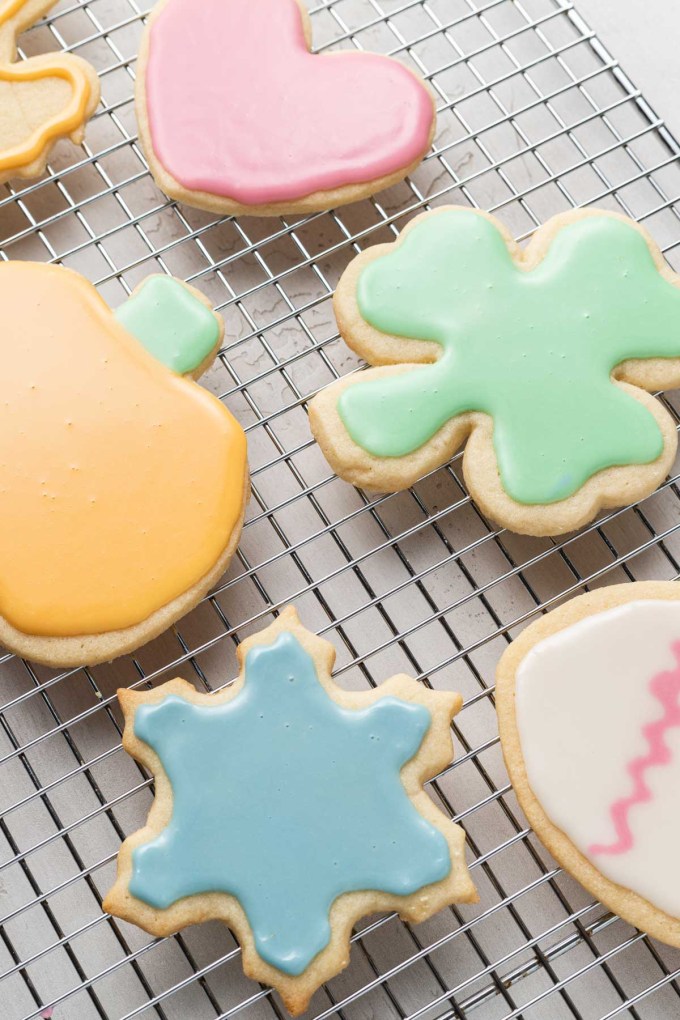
{"x":588,"y":701}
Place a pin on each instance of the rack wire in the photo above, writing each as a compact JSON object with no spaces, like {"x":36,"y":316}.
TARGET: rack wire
{"x":535,"y":116}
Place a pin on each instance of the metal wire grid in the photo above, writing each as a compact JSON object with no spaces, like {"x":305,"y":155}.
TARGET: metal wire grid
{"x":534,"y":117}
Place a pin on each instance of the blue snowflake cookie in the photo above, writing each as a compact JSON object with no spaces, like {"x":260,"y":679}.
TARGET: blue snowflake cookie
{"x":289,"y":808}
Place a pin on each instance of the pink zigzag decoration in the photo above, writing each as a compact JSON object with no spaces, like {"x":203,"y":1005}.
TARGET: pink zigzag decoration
{"x":665,"y":687}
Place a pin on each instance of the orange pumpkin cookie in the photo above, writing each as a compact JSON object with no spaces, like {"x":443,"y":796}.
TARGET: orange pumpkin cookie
{"x":124,"y":483}
{"x":42,"y":99}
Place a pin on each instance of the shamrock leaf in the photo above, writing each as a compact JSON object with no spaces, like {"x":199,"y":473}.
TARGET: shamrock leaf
{"x":531,"y":343}
{"x":285,"y":799}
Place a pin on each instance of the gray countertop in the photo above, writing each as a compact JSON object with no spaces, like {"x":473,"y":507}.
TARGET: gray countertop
{"x":644,"y":38}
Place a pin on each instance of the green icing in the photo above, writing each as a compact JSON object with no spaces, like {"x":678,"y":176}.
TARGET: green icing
{"x":171,"y":322}
{"x":535,"y":350}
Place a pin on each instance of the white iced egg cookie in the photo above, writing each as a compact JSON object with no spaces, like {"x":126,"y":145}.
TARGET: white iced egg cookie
{"x":588,"y":701}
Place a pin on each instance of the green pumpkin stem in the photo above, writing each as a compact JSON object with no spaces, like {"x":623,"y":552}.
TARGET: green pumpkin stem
{"x":172,"y":323}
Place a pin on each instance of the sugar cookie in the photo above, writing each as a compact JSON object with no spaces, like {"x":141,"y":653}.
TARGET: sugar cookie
{"x":289,"y":808}
{"x":123,"y":484}
{"x":271,"y":128}
{"x":539,"y":358}
{"x":588,"y":703}
{"x":42,"y":99}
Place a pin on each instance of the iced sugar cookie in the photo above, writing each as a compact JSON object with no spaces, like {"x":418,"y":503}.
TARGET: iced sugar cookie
{"x":588,"y":702}
{"x":539,"y":358}
{"x":42,"y":99}
{"x":271,"y":128}
{"x":289,"y":808}
{"x":123,"y":482}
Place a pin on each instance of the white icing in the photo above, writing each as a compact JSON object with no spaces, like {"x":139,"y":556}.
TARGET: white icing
{"x":582,"y":699}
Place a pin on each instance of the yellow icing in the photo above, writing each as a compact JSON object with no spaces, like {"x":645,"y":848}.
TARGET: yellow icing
{"x":121,"y":483}
{"x":67,"y":121}
{"x":11,"y":8}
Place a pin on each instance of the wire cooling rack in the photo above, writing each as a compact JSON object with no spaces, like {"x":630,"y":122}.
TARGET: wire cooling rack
{"x":534,"y":117}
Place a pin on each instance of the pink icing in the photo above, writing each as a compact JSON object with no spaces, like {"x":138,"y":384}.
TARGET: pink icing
{"x":665,"y":687}
{"x":238,"y":107}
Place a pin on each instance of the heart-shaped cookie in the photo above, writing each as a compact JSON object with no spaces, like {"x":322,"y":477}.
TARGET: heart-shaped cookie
{"x":237,"y":116}
{"x":42,"y":99}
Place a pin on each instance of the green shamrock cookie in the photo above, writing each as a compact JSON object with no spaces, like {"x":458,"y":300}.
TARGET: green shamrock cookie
{"x":539,"y":358}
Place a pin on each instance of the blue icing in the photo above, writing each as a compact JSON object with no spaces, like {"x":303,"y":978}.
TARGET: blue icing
{"x":285,"y":799}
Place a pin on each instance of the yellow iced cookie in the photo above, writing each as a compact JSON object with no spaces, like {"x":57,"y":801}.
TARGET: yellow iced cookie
{"x":42,"y":99}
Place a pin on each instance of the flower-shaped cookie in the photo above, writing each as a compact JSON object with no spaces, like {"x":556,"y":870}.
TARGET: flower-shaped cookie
{"x":540,"y":358}
{"x":42,"y":99}
{"x":237,"y":116}
{"x":123,"y":482}
{"x":289,"y":808}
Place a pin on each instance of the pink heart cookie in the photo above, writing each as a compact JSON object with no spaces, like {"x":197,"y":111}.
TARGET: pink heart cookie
{"x":236,"y":115}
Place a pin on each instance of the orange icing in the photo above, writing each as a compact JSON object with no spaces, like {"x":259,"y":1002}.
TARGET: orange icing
{"x":120,"y":482}
{"x":67,"y":121}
